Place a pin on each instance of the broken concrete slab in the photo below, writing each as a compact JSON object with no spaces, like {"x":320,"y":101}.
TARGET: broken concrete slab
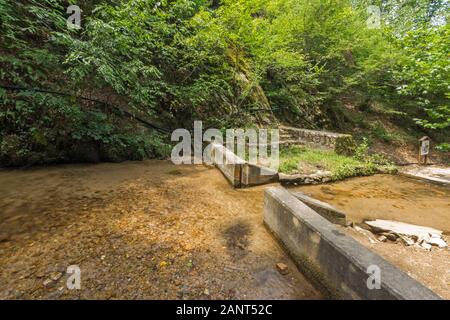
{"x":409,"y":233}
{"x":433,"y":174}
{"x":337,"y":263}
{"x":370,"y":236}
{"x":402,"y":228}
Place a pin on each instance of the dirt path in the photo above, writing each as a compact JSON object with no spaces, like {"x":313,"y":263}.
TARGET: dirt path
{"x":138,"y":230}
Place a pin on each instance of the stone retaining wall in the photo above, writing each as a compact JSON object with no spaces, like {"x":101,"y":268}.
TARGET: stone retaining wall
{"x":339,"y":143}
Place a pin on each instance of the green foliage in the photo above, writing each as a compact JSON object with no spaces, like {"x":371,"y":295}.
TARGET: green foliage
{"x":423,"y":74}
{"x":362,"y":150}
{"x":176,"y":61}
{"x":37,"y":128}
{"x":160,"y":58}
{"x":362,"y":154}
{"x":340,"y":166}
{"x":380,"y":133}
{"x":444,"y":147}
{"x":345,"y":145}
{"x":304,"y":53}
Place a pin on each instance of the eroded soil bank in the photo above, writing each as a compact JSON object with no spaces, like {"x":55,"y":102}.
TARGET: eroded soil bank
{"x":138,"y":230}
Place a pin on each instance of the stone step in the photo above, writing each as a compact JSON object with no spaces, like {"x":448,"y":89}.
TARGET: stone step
{"x":283,"y":143}
{"x":294,"y":131}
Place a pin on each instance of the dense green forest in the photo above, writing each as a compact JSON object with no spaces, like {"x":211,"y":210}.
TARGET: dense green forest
{"x":319,"y":64}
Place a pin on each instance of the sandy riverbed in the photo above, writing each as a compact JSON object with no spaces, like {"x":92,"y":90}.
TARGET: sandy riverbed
{"x":401,"y":199}
{"x":138,"y":230}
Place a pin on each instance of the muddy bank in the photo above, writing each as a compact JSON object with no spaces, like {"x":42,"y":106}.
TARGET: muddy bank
{"x":138,"y":230}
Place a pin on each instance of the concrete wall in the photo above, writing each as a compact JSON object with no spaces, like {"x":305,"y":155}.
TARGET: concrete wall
{"x":239,"y":172}
{"x":228,"y":163}
{"x":324,"y":209}
{"x":253,"y":175}
{"x":336,"y":262}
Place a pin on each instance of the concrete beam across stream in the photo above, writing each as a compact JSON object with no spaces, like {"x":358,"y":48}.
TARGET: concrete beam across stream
{"x":337,"y":262}
{"x":239,"y":172}
{"x":228,"y":163}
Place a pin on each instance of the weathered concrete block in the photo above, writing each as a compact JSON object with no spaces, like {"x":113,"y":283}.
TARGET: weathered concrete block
{"x":228,"y":163}
{"x":253,"y":175}
{"x":240,"y":173}
{"x":324,"y":209}
{"x":338,"y":262}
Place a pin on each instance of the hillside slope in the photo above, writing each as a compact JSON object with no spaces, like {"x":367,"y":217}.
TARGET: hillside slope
{"x":255,"y":63}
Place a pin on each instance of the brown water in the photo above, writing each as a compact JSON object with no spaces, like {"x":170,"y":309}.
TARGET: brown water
{"x":138,"y":230}
{"x":388,"y":197}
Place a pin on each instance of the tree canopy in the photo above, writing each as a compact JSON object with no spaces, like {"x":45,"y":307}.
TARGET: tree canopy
{"x":228,"y":62}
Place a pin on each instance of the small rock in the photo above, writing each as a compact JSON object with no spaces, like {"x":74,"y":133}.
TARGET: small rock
{"x":55,"y":276}
{"x":4,"y":238}
{"x":282,"y":268}
{"x":47,"y":283}
{"x":382,"y":238}
{"x":177,"y":282}
{"x":407,"y":241}
{"x":54,"y":295}
{"x":183,"y":292}
{"x":180,"y":233}
{"x":328,"y":190}
{"x":349,"y":224}
{"x":437,"y":242}
{"x":426,"y":246}
{"x":206,"y":292}
{"x":390,"y":236}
